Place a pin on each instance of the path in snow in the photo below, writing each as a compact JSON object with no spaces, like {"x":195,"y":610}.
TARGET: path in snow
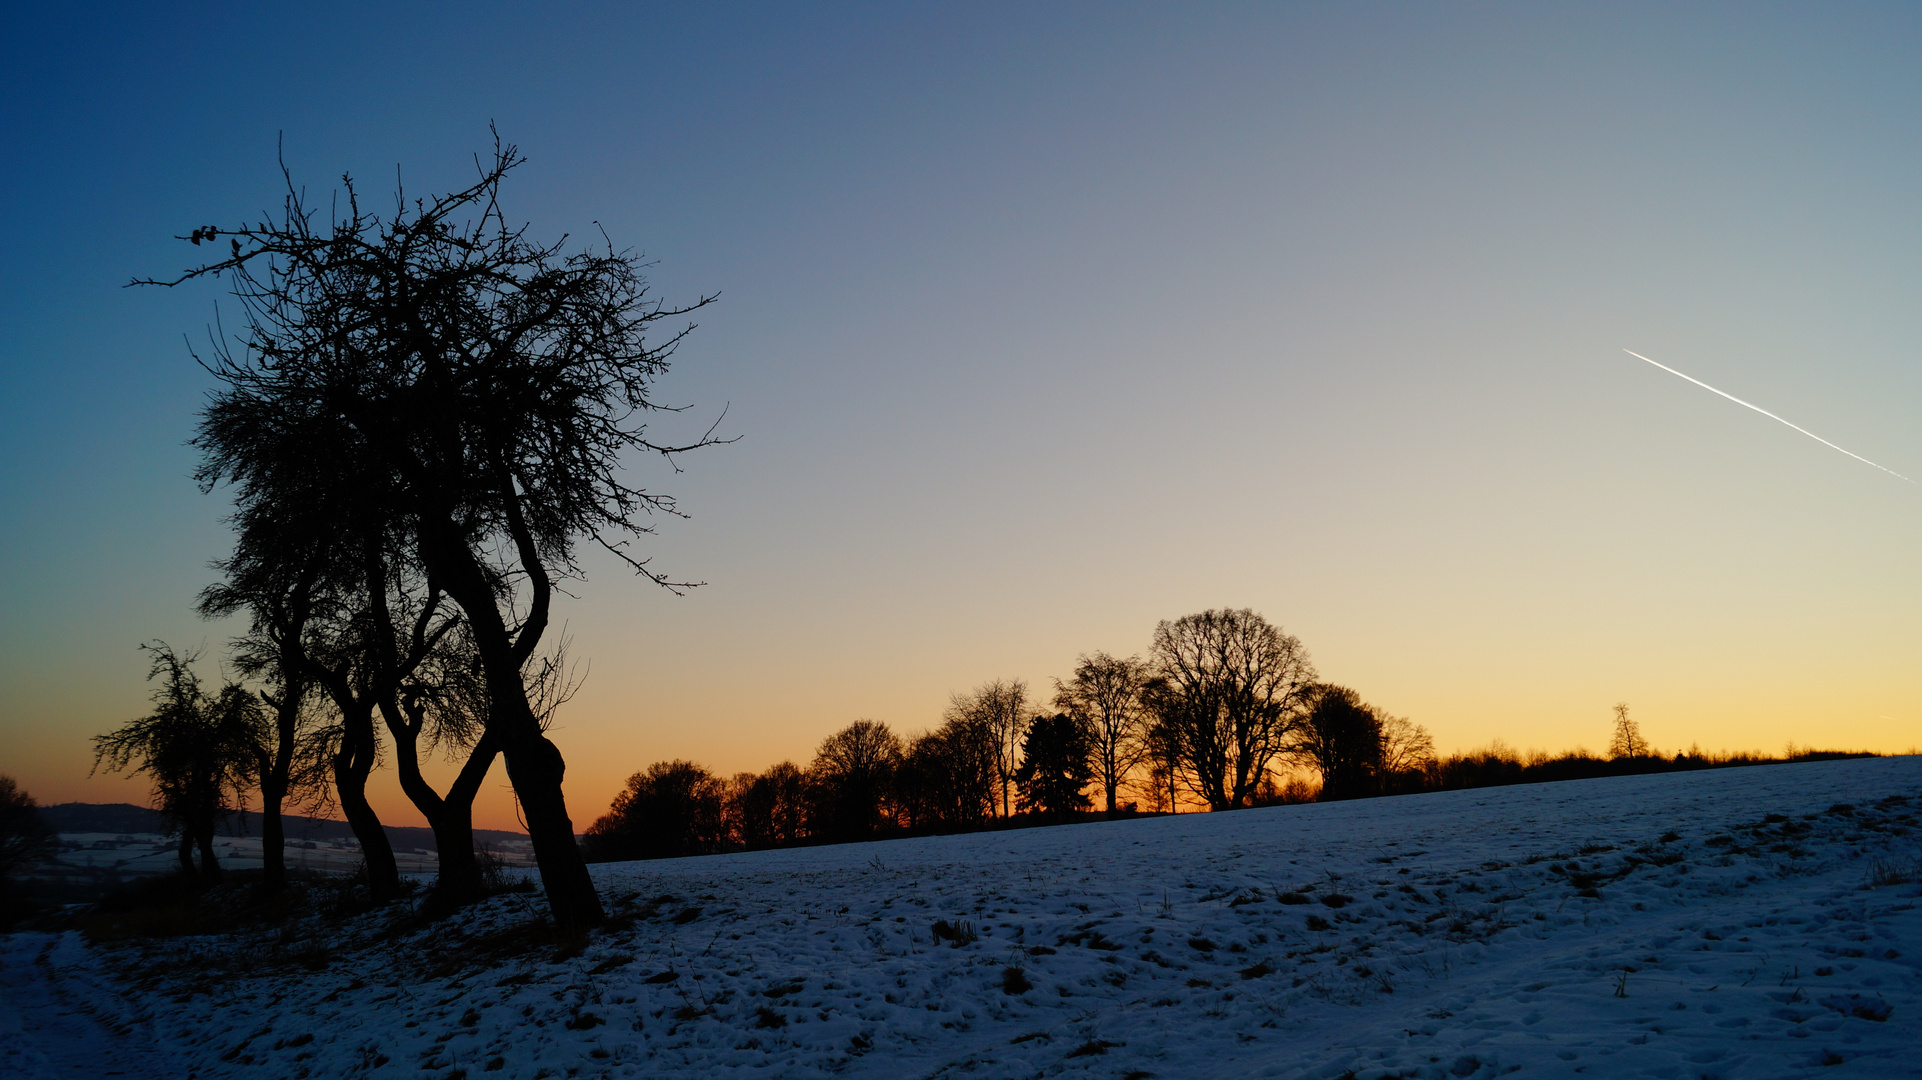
{"x":51,"y":1023}
{"x":1721,"y":924}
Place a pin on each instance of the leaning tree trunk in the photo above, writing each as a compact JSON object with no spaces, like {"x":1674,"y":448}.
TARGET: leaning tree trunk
{"x":534,"y":764}
{"x":352,"y":763}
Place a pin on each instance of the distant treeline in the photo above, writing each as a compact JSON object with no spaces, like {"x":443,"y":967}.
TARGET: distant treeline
{"x":678,"y":808}
{"x":1225,"y":713}
{"x":1499,"y":765}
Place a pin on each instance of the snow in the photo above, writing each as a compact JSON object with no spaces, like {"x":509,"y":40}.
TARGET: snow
{"x":1733,"y":923}
{"x":129,"y":855}
{"x":53,"y":1027}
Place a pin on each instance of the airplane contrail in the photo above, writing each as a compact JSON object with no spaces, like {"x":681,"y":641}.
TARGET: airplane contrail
{"x":1768,"y":414}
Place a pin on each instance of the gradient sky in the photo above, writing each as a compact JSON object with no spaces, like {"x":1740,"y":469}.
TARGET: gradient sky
{"x":1041,"y":323}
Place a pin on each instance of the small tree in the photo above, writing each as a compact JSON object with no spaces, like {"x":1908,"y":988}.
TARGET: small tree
{"x":200,"y":751}
{"x":1627,"y":743}
{"x":1407,"y":752}
{"x":1405,"y":746}
{"x":25,"y":838}
{"x":1055,"y":772}
{"x":1104,"y":697}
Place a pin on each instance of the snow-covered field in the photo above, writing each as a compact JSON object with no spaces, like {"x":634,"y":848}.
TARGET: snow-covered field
{"x":144,"y":854}
{"x":1746,"y":922}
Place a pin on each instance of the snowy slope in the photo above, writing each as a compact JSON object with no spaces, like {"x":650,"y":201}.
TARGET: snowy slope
{"x":1722,"y":924}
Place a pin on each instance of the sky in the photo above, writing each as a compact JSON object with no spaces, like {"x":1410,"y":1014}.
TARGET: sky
{"x":1038,"y":324}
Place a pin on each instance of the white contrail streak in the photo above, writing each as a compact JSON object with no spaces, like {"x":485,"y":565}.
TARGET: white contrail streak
{"x":1768,"y":414}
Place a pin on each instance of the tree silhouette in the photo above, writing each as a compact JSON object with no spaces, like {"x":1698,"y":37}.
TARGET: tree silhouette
{"x":369,"y":632}
{"x":1342,"y":738}
{"x":773,"y":809}
{"x":853,"y":781}
{"x":199,"y":750}
{"x":669,"y":810}
{"x":1229,"y":692}
{"x":316,"y":556}
{"x":997,"y":713}
{"x":465,"y":397}
{"x":1161,"y":750}
{"x":1407,"y":753}
{"x":443,"y":705}
{"x":1627,"y":743}
{"x":1055,"y":771}
{"x":1104,"y":697}
{"x":947,"y":778}
{"x":1406,"y":747}
{"x":25,"y":839}
{"x":293,"y":762}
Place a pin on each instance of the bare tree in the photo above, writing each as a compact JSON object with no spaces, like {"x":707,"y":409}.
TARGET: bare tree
{"x":472,"y":391}
{"x":1230,"y":692}
{"x":1627,"y":744}
{"x":1405,"y":746}
{"x":734,"y":793}
{"x":1407,"y":752}
{"x":947,"y":779}
{"x":1161,"y":749}
{"x":443,"y":705}
{"x":1104,"y":697}
{"x":853,"y":777}
{"x":319,"y":565}
{"x":998,"y":712}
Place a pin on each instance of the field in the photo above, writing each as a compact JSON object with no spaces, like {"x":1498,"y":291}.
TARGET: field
{"x":1745,"y":922}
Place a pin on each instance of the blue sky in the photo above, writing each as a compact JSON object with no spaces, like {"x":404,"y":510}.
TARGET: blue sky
{"x":1041,"y":323}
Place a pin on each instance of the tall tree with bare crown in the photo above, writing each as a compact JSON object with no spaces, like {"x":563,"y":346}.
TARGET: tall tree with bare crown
{"x":1230,"y":689}
{"x":467,"y":392}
